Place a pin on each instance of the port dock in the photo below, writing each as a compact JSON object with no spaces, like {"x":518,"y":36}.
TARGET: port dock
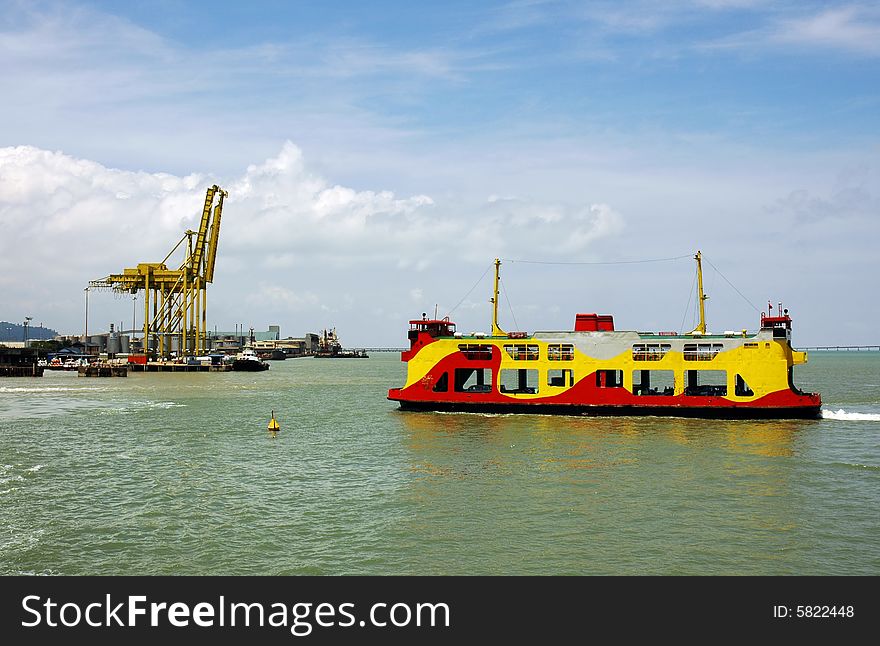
{"x":160,"y":366}
{"x":122,"y":370}
{"x":103,"y":370}
{"x":20,"y":362}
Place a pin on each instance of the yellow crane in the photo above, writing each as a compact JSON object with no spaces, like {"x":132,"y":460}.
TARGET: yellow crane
{"x":175,"y":300}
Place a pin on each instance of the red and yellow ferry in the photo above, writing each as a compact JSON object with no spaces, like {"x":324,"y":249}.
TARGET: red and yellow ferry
{"x":597,"y":370}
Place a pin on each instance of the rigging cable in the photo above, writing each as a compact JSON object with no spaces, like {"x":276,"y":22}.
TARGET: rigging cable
{"x":687,"y":307}
{"x":731,"y":284}
{"x":512,"y":315}
{"x":608,"y":262}
{"x":449,"y":313}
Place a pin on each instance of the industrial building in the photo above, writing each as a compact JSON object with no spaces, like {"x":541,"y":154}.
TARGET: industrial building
{"x":115,"y":343}
{"x":292,"y":347}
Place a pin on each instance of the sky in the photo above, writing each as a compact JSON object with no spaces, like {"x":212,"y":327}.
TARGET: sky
{"x":378,"y":156}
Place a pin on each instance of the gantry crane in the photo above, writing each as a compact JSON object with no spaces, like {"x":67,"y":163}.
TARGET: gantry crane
{"x":177,"y":297}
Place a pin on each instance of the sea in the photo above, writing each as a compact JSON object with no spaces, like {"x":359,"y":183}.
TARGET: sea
{"x":159,"y":474}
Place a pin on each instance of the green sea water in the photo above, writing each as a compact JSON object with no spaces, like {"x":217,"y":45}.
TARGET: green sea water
{"x":176,"y":474}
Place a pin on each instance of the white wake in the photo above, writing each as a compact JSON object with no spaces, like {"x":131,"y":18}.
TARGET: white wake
{"x":842,"y":414}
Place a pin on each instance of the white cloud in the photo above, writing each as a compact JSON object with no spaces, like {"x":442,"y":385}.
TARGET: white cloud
{"x":522,"y":228}
{"x":853,"y":29}
{"x":401,"y":150}
{"x":850,"y":28}
{"x":281,"y":298}
{"x":847,"y":202}
{"x":49,"y":197}
{"x":291,"y":245}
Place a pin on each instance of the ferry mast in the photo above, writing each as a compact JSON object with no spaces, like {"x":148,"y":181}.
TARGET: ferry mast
{"x":496,"y":331}
{"x":701,"y":328}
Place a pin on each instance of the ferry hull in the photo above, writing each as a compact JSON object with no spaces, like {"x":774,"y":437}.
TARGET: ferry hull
{"x":800,"y":412}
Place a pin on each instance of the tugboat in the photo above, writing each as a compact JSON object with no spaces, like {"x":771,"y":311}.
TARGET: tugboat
{"x":597,"y":370}
{"x":329,"y":347}
{"x":247,"y":360}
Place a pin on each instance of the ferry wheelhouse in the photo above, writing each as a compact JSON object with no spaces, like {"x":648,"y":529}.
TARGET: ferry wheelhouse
{"x":598,"y":370}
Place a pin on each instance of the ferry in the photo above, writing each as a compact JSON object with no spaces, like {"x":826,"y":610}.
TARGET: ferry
{"x":598,"y":370}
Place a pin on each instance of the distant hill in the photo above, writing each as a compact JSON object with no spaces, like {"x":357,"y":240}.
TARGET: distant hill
{"x":15,"y":332}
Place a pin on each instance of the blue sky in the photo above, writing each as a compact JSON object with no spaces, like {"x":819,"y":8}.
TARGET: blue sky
{"x":424,"y":139}
{"x":796,"y":76}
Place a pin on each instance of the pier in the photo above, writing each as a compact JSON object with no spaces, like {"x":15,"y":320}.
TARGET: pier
{"x":20,"y":362}
{"x":122,"y":370}
{"x":21,"y":371}
{"x":103,"y":370}
{"x":160,"y":366}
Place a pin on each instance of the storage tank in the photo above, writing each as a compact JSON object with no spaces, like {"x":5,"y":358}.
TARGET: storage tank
{"x":112,"y":342}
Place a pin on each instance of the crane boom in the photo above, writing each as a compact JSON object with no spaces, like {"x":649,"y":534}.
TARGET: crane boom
{"x":213,"y":239}
{"x":198,"y":251}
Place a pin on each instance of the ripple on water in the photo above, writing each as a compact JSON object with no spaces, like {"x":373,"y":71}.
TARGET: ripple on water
{"x":175,"y":474}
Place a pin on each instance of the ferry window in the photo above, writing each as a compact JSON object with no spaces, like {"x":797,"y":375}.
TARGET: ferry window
{"x":560,"y":352}
{"x":701,"y":351}
{"x":609,"y":378}
{"x":434,"y":328}
{"x":476,"y":351}
{"x":650,"y":351}
{"x":473,"y":380}
{"x":442,"y":384}
{"x":560,"y":377}
{"x":741,"y":388}
{"x":522,"y":351}
{"x":706,"y":383}
{"x":518,"y":381}
{"x":750,"y":345}
{"x":653,"y":382}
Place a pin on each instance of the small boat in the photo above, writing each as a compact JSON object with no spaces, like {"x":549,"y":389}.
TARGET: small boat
{"x":71,"y":364}
{"x":595,"y":369}
{"x":274,"y":426}
{"x":248,"y":361}
{"x":329,"y":347}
